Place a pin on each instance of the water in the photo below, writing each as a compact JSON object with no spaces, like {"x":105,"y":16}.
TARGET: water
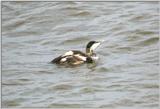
{"x":33,"y":33}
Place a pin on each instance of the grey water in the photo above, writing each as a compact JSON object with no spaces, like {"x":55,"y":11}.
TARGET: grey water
{"x":125,"y":76}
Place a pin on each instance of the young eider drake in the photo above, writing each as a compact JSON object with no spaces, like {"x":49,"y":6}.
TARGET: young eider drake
{"x":75,"y":57}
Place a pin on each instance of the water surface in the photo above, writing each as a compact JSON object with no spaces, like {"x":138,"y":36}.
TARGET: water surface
{"x":33,"y":33}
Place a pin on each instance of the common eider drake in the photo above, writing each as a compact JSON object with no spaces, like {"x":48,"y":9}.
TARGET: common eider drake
{"x":75,"y":57}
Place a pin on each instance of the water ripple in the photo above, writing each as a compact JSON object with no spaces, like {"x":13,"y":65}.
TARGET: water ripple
{"x":125,"y":76}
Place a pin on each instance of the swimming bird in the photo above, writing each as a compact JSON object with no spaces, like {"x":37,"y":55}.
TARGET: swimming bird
{"x":75,"y":57}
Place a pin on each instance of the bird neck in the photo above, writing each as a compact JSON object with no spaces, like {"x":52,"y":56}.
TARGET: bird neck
{"x":89,"y":52}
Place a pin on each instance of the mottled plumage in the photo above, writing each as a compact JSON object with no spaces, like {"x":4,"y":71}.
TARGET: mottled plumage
{"x":75,"y":57}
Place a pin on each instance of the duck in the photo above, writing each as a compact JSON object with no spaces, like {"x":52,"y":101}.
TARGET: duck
{"x":75,"y":57}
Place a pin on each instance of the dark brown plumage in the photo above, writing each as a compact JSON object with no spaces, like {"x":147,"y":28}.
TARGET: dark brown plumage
{"x":75,"y":57}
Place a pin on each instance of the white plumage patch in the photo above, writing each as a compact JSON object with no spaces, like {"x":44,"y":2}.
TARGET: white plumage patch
{"x":63,"y":59}
{"x":95,"y":58}
{"x":94,"y":46}
{"x":68,"y":53}
{"x":81,"y":57}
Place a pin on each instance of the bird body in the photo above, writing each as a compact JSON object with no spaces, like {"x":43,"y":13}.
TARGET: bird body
{"x":75,"y":57}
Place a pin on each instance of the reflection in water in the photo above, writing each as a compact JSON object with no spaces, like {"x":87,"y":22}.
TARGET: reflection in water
{"x":33,"y":33}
